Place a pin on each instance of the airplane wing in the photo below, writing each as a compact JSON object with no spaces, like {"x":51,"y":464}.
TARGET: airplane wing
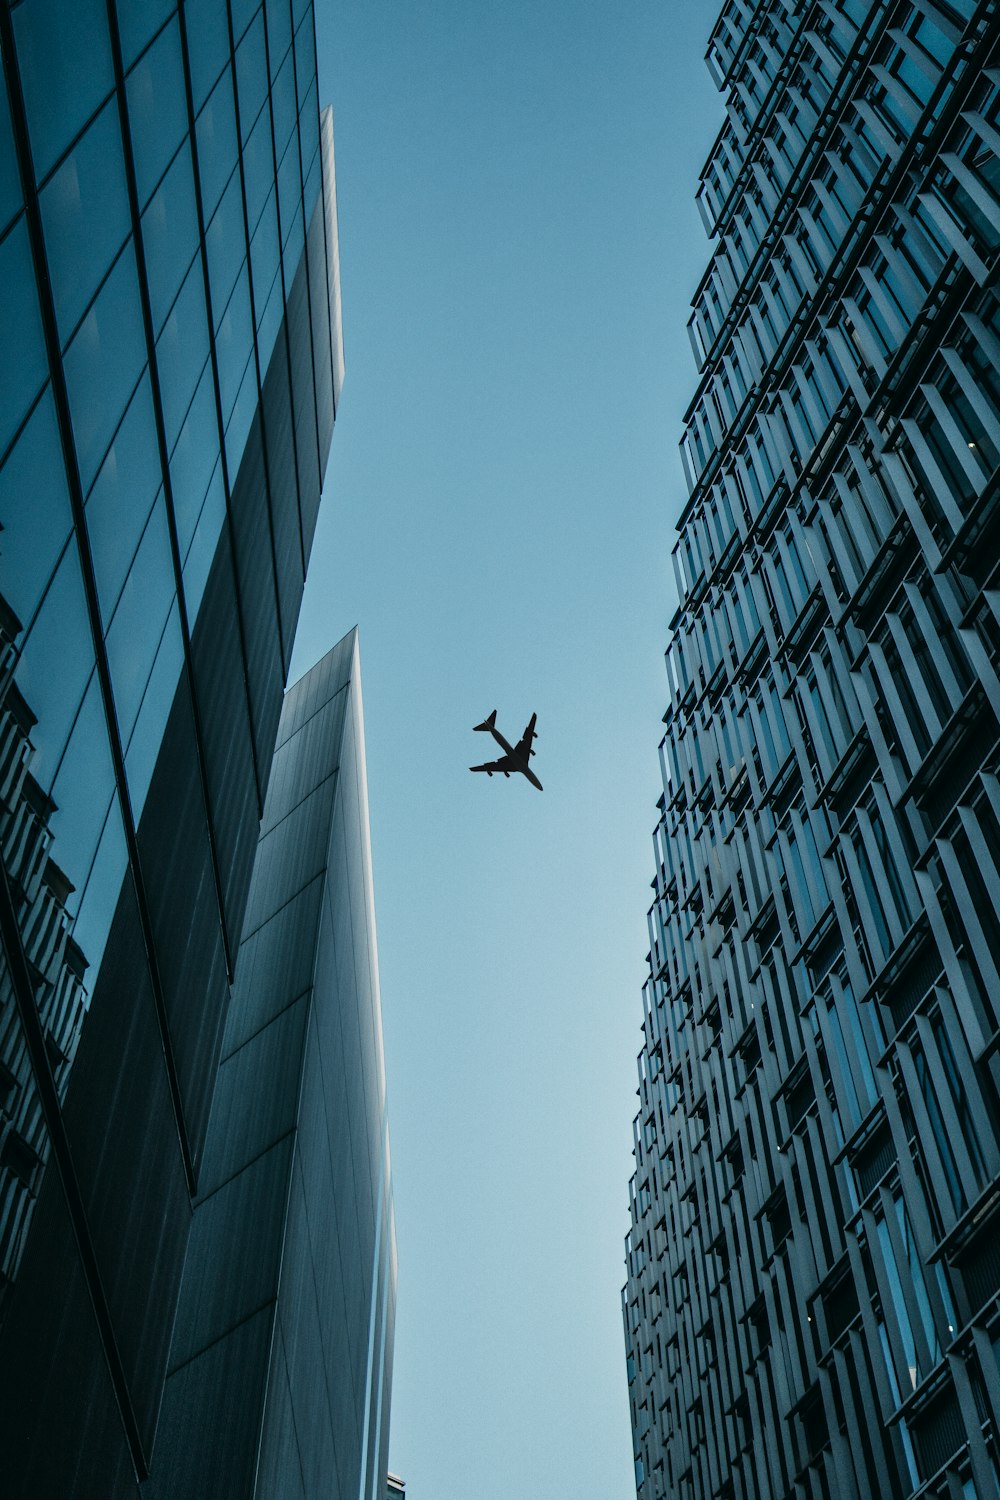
{"x":504,"y":764}
{"x":523,"y":746}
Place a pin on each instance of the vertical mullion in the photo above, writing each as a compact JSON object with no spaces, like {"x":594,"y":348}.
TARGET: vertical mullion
{"x":253,"y":310}
{"x":285,"y":289}
{"x":305,"y":230}
{"x":214,"y":359}
{"x":161,"y":440}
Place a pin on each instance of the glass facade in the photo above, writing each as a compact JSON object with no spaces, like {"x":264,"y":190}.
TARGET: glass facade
{"x":170,"y":359}
{"x":812,"y":1305}
{"x":280,"y":1366}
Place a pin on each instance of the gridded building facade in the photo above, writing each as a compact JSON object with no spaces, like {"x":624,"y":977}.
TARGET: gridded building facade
{"x":170,"y":362}
{"x":813,"y":1297}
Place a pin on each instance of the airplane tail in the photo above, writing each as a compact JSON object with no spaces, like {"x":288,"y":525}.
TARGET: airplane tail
{"x":487,"y":723}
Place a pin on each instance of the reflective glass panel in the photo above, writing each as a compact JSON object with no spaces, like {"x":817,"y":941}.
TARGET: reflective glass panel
{"x":34,"y":511}
{"x":258,"y":168}
{"x":21,"y":329}
{"x":147,"y":736}
{"x":82,"y":793}
{"x":103,"y":364}
{"x":216,"y":129}
{"x":193,"y":459}
{"x":100,"y":896}
{"x":243,"y":11}
{"x":234,"y":343}
{"x":182,"y":350}
{"x":283,"y":105}
{"x":135,"y":631}
{"x":10,"y":182}
{"x":123,"y":493}
{"x":55,"y":666}
{"x":279,"y":34}
{"x":242,"y":416}
{"x":305,"y":59}
{"x":310,"y":192}
{"x":157,"y":109}
{"x":290,"y":201}
{"x":199,"y":559}
{"x":265,"y":253}
{"x":170,"y":235}
{"x":269,"y":325}
{"x":138,"y":23}
{"x":208,"y":45}
{"x":251,"y":75}
{"x":226,"y":246}
{"x":85,"y":214}
{"x":64,"y":55}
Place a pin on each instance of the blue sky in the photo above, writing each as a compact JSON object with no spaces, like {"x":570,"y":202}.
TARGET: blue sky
{"x":519,"y":247}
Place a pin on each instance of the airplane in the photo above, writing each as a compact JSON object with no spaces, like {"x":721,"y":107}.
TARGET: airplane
{"x":516,"y":756}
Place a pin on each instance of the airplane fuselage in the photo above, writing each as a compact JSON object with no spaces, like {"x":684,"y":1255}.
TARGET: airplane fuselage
{"x":515,"y":757}
{"x":517,"y":763}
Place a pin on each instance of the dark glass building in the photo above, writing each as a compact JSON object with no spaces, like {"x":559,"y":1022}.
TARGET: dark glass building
{"x":813,"y":1298}
{"x":170,"y":364}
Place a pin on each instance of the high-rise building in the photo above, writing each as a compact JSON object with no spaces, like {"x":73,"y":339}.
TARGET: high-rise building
{"x":812,"y":1305}
{"x":281,"y":1358}
{"x":170,"y":363}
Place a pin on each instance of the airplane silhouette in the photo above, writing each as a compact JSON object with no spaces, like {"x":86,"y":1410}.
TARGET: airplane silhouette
{"x":516,"y":756}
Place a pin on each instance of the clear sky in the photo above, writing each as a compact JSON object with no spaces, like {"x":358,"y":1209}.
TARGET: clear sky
{"x":519,"y":247}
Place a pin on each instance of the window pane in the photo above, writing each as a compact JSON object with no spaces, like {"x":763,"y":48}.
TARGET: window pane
{"x":216,"y":129}
{"x":305,"y":60}
{"x":208,"y":45}
{"x":226,"y":246}
{"x":138,"y":22}
{"x":170,"y":235}
{"x":243,"y":11}
{"x":21,"y":329}
{"x":264,"y":253}
{"x":122,"y":496}
{"x":279,"y":34}
{"x":193,"y":459}
{"x":258,"y":168}
{"x":242,"y":417}
{"x":34,"y":533}
{"x":157,"y":109}
{"x":138,"y":622}
{"x":10,"y":182}
{"x":310,"y":193}
{"x":251,"y":75}
{"x":65,"y":61}
{"x":234,"y":343}
{"x":199,"y":560}
{"x":85,"y":213}
{"x":182,"y":350}
{"x":283,"y":103}
{"x":269,"y":324}
{"x":290,"y":206}
{"x":55,"y":667}
{"x":82,"y":792}
{"x":103,"y":364}
{"x":147,"y":736}
{"x":97,"y":906}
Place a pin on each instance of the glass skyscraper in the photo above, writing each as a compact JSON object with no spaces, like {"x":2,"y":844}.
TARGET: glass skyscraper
{"x":812,"y":1305}
{"x":170,"y":364}
{"x":281,"y":1357}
